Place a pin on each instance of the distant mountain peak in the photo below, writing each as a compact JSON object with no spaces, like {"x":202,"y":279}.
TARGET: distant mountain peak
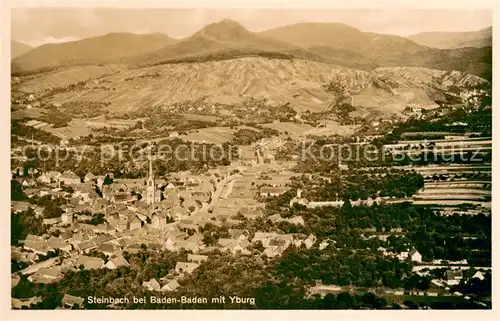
{"x":226,"y":28}
{"x":228,"y":22}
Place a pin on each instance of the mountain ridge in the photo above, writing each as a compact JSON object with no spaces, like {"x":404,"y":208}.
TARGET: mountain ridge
{"x":343,"y":42}
{"x":454,"y":40}
{"x":332,"y":43}
{"x":109,"y":48}
{"x":222,"y":40}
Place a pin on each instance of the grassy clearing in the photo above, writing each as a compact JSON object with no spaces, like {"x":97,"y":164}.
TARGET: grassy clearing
{"x":213,"y":135}
{"x":295,"y":130}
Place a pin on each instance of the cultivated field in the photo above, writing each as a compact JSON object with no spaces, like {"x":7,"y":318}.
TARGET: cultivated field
{"x":295,"y":130}
{"x":452,"y":202}
{"x":448,"y":168}
{"x":329,"y":128}
{"x":452,"y":191}
{"x":444,"y":144}
{"x":198,"y":117}
{"x":76,"y":128}
{"x":65,"y":77}
{"x":27,"y":113}
{"x":213,"y":135}
{"x":299,"y":131}
{"x":101,"y":122}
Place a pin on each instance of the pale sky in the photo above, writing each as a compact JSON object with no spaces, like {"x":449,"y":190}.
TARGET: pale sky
{"x":36,"y":26}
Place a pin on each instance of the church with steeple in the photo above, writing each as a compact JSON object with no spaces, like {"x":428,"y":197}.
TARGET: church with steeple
{"x":152,"y":196}
{"x":150,"y":183}
{"x":153,"y":199}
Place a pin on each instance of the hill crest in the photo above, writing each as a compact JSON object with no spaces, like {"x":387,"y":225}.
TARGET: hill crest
{"x":18,"y":48}
{"x":108,"y":48}
{"x":455,"y":40}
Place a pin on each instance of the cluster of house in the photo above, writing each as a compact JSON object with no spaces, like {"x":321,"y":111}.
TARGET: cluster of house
{"x":169,"y":282}
{"x":132,"y":200}
{"x":272,"y":182}
{"x":412,"y":256}
{"x":275,"y":244}
{"x":300,"y":200}
{"x":76,"y":249}
{"x":69,"y":253}
{"x":473,"y":97}
{"x":138,"y":213}
{"x":296,"y":220}
{"x":452,"y":277}
{"x":455,"y":276}
{"x":168,"y":217}
{"x":131,"y":203}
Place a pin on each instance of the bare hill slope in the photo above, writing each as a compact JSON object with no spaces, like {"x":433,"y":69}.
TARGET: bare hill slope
{"x":299,"y":82}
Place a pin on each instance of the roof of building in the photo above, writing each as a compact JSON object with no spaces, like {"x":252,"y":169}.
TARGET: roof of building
{"x":89,"y":175}
{"x":454,"y":274}
{"x":107,"y":247}
{"x":119,"y":260}
{"x":132,"y":247}
{"x":69,"y":175}
{"x":152,"y":284}
{"x":135,"y":219}
{"x":122,"y":222}
{"x":53,"y":272}
{"x":38,"y":246}
{"x":31,"y":237}
{"x":172,"y":285}
{"x":225,"y":241}
{"x":85,"y":245}
{"x":72,"y":300}
{"x":56,"y":243}
{"x":80,"y":237}
{"x":121,"y":196}
{"x":413,"y":251}
{"x":275,"y":218}
{"x":186,"y":266}
{"x":260,"y":236}
{"x":89,"y":262}
{"x":195,"y":257}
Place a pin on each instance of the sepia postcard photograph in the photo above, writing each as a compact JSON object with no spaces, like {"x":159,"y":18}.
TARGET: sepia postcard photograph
{"x":250,"y":158}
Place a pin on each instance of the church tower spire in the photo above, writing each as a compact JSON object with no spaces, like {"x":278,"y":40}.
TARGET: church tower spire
{"x":151,"y":175}
{"x":150,"y":189}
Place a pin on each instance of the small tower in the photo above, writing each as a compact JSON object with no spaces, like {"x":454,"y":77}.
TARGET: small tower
{"x":150,"y":182}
